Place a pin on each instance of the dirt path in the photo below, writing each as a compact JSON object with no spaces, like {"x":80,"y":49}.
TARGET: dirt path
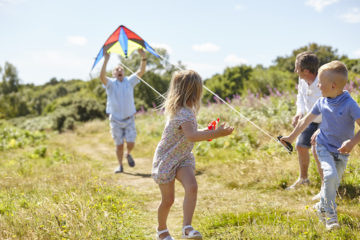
{"x":212,"y":196}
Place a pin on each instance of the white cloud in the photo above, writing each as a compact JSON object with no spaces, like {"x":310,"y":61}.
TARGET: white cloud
{"x":357,"y":53}
{"x":239,"y":7}
{"x":39,"y":66}
{"x":318,"y":5}
{"x":232,"y":60}
{"x":205,"y":70}
{"x":77,"y":40}
{"x":206,"y":47}
{"x":9,"y":2}
{"x":168,"y":49}
{"x":352,"y":17}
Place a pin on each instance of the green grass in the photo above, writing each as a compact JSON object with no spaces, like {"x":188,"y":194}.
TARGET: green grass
{"x":61,"y":186}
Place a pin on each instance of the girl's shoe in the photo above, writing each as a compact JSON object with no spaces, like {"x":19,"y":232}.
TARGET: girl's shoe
{"x":158,"y":233}
{"x":193,"y":234}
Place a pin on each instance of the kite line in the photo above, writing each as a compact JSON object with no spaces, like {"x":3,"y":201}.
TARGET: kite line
{"x":233,"y":108}
{"x":222,"y":100}
{"x":124,"y":41}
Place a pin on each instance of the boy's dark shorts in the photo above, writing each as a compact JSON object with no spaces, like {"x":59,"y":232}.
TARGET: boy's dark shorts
{"x":304,"y":140}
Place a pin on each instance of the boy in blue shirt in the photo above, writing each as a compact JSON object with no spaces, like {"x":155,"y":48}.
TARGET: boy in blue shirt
{"x":336,"y":137}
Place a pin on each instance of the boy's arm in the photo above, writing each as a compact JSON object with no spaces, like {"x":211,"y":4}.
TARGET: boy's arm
{"x":300,"y":127}
{"x":195,"y":135}
{"x":103,"y":69}
{"x":300,"y":105}
{"x":142,"y":68}
{"x":349,"y":144}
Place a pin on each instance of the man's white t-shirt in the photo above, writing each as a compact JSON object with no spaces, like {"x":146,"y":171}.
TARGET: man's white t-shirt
{"x":120,"y":97}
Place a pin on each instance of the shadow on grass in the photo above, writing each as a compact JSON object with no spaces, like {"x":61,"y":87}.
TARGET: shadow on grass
{"x":144,"y":175}
{"x":349,"y":191}
{"x":148,"y":175}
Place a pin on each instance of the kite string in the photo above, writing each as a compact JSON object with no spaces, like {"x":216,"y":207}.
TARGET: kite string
{"x":143,"y":81}
{"x":226,"y":103}
{"x":148,"y":84}
{"x":230,"y":106}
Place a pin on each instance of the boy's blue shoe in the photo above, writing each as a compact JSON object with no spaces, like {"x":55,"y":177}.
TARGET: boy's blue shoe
{"x":331,"y":221}
{"x":131,"y":161}
{"x":320,"y":212}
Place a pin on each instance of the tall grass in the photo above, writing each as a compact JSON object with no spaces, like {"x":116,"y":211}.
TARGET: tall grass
{"x":60,"y":186}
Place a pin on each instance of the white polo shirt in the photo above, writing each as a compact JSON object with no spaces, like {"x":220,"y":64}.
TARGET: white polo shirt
{"x":307,"y":96}
{"x":120,"y":97}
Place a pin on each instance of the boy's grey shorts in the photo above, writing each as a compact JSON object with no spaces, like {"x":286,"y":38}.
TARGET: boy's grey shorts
{"x":304,"y":140}
{"x":123,"y":129}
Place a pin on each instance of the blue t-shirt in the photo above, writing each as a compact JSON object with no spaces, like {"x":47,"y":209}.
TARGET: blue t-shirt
{"x":120,"y":97}
{"x":338,"y":117}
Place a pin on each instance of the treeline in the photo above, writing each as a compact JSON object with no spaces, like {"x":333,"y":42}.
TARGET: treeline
{"x":280,"y":77}
{"x":59,"y":104}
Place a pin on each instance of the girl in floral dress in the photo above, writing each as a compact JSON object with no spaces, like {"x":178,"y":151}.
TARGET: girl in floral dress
{"x":173,"y":157}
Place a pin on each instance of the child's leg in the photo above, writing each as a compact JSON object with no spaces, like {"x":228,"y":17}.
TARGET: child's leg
{"x":341,"y":163}
{"x":119,"y":153}
{"x":187,"y":178}
{"x":318,"y":165}
{"x":331,"y":179}
{"x":167,"y":199}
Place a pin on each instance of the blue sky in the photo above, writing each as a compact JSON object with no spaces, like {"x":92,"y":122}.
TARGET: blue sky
{"x":48,"y":38}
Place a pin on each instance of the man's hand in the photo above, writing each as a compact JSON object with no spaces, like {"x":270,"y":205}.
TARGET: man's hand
{"x":296,"y":119}
{"x":346,"y":147}
{"x":142,"y":53}
{"x":106,"y":56}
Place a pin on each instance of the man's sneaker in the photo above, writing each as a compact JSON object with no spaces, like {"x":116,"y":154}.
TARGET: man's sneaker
{"x":131,"y":161}
{"x":331,"y":221}
{"x":320,"y":212}
{"x":298,"y":183}
{"x":316,"y":197}
{"x":120,"y":169}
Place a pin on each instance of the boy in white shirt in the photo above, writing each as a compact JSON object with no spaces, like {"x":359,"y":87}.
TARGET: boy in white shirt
{"x":306,"y":66}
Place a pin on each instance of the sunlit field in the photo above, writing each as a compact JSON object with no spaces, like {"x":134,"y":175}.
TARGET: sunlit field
{"x":62,"y":186}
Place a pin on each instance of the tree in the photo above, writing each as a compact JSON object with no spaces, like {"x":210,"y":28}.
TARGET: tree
{"x":10,"y":79}
{"x":324,"y":53}
{"x":229,"y":83}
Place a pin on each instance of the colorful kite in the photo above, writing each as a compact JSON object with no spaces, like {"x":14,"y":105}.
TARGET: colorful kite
{"x":123,"y":41}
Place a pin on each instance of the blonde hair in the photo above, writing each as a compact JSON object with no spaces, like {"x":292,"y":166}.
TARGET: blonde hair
{"x":185,"y":91}
{"x":338,"y":71}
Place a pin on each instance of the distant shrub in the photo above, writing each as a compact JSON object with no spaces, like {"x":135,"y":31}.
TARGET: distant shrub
{"x":12,"y":137}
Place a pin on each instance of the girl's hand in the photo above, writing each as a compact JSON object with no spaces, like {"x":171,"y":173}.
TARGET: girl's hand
{"x":223,"y":130}
{"x":346,"y":147}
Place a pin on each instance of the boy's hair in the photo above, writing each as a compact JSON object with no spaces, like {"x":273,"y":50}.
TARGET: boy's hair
{"x":338,"y":71}
{"x":185,"y":88}
{"x":307,"y":60}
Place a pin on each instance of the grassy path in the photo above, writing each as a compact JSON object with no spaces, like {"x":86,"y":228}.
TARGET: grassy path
{"x":72,"y":192}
